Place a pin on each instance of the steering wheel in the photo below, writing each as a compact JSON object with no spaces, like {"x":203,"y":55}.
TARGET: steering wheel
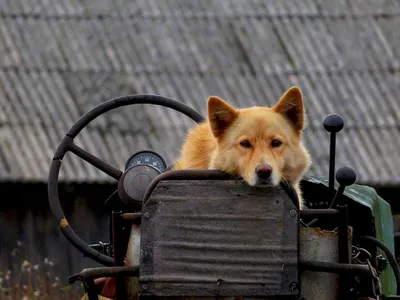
{"x":67,"y":144}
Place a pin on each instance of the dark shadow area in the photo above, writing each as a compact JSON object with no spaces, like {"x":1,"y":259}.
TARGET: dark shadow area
{"x":28,"y":230}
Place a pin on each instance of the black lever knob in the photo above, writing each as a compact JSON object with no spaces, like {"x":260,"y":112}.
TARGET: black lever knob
{"x":333,"y":123}
{"x":345,"y":176}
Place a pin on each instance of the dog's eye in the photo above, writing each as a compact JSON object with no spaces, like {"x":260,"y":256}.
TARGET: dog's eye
{"x":245,"y":144}
{"x":276,"y":143}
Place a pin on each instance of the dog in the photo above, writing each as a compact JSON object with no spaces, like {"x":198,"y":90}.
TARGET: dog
{"x":260,"y":144}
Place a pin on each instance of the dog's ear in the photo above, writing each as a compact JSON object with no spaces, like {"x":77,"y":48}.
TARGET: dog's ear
{"x":220,"y":115}
{"x":290,"y":105}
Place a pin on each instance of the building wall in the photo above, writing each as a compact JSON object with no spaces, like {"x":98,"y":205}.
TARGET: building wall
{"x":28,"y":230}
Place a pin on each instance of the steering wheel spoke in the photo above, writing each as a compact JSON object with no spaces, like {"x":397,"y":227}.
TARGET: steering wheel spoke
{"x":95,"y":161}
{"x":67,"y":144}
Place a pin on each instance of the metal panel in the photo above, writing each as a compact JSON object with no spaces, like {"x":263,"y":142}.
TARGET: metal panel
{"x":218,"y":238}
{"x":319,"y":245}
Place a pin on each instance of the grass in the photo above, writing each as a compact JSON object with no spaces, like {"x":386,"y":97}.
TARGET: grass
{"x":26,"y":280}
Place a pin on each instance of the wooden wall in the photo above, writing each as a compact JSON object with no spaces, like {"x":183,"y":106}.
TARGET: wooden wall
{"x":25,"y":216}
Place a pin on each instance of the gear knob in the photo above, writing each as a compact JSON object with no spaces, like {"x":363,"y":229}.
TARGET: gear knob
{"x":333,"y":123}
{"x":346,"y":176}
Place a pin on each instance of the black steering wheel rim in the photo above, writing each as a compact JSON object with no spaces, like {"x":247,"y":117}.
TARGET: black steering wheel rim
{"x":67,"y":144}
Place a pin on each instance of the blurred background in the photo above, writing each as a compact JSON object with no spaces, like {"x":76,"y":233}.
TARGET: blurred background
{"x":59,"y":59}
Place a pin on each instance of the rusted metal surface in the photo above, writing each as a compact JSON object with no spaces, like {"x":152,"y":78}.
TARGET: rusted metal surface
{"x":131,"y":216}
{"x":237,"y":240}
{"x":319,"y":245}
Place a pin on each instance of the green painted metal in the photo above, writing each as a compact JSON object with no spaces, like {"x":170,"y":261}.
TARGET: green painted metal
{"x":383,"y":220}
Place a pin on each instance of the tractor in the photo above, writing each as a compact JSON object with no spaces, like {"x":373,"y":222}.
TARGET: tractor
{"x":201,"y":234}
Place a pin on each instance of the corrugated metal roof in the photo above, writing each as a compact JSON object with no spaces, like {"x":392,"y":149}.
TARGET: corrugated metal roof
{"x":60,"y":59}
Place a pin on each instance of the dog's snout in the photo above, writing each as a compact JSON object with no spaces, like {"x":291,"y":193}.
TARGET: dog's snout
{"x":264,"y":171}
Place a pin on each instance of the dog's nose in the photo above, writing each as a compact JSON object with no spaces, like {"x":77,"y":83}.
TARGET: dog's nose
{"x":264,"y":171}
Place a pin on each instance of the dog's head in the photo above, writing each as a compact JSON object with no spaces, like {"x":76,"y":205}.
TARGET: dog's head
{"x":263,"y":145}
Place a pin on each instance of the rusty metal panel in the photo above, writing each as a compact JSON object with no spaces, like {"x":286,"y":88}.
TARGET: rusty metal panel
{"x":218,"y":238}
{"x":320,"y":245}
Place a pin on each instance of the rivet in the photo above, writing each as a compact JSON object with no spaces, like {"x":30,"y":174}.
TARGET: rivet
{"x":293,"y":213}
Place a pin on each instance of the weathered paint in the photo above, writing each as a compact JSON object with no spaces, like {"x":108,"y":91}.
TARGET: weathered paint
{"x":315,"y":245}
{"x":383,"y":223}
{"x":319,"y":245}
{"x":325,"y":249}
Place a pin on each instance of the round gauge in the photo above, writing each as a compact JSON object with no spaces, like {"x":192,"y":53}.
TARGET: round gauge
{"x":147,"y":158}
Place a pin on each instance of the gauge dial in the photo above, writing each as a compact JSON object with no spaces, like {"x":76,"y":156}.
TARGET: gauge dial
{"x":147,"y":158}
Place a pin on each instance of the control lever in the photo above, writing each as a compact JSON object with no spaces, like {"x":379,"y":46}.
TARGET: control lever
{"x":333,"y":123}
{"x":345,"y":176}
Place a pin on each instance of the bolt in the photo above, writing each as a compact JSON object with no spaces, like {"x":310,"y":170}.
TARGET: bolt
{"x":144,"y":287}
{"x":293,"y":213}
{"x":147,"y":215}
{"x":293,"y":286}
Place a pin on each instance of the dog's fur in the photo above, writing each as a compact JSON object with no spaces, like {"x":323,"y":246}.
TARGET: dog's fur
{"x":236,"y":141}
